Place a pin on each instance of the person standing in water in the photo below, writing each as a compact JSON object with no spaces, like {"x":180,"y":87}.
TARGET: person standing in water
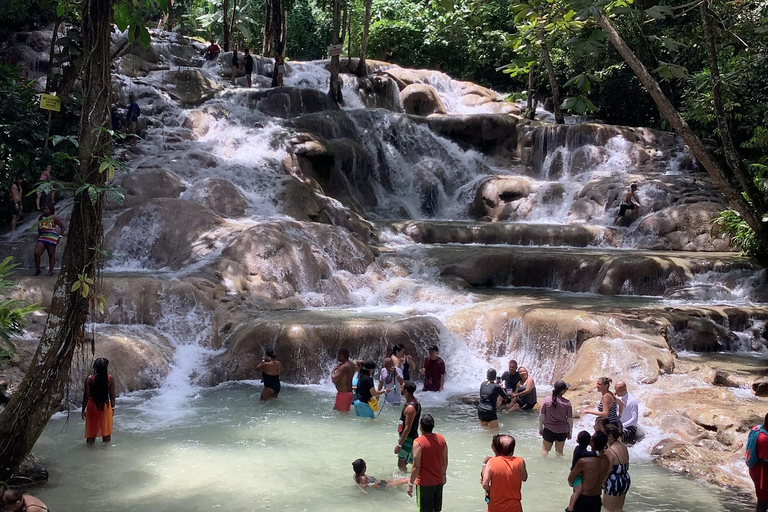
{"x":270,"y":369}
{"x":608,"y":407}
{"x":248,"y":66}
{"x":98,"y":402}
{"x":629,"y":414}
{"x":490,"y":393}
{"x":408,"y":426}
{"x":759,"y":471}
{"x":341,"y":376}
{"x":48,"y":238}
{"x":391,"y":378}
{"x":365,"y":403}
{"x":433,"y":371}
{"x":430,"y":465}
{"x":235,"y":66}
{"x":594,"y":472}
{"x":555,"y":420}
{"x":16,"y":195}
{"x":626,"y":202}
{"x":618,"y":482}
{"x":504,"y":475}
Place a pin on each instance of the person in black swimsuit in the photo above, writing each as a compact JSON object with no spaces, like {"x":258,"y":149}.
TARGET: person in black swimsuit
{"x":490,"y":392}
{"x":270,"y":374}
{"x":248,"y":66}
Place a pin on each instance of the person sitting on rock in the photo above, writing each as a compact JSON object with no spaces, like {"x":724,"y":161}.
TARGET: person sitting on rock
{"x":4,"y":399}
{"x":13,"y":500}
{"x":626,"y":202}
{"x":212,"y":52}
{"x":524,"y":398}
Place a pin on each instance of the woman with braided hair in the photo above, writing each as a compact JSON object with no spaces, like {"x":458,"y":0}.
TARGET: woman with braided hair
{"x":99,"y":402}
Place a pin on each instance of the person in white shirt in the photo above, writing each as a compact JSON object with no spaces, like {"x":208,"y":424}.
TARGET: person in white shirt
{"x":630,"y":413}
{"x":390,"y":379}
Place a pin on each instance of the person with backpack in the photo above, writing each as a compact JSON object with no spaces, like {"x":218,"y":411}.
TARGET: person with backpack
{"x":756,"y":457}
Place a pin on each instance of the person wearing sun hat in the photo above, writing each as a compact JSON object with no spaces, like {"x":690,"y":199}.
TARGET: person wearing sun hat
{"x":555,"y":420}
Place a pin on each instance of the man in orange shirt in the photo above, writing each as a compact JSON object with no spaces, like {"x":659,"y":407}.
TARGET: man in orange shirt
{"x":504,"y":475}
{"x":430,"y":463}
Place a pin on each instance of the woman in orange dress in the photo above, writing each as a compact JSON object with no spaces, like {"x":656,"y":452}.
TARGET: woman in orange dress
{"x":99,"y":403}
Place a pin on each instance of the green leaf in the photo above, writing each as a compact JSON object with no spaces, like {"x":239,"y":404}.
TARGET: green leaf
{"x":59,"y":9}
{"x":669,"y":71}
{"x":93,"y":193}
{"x":163,"y":4}
{"x":579,"y":105}
{"x":144,"y":37}
{"x":659,"y":12}
{"x":104,"y":166}
{"x":76,"y":285}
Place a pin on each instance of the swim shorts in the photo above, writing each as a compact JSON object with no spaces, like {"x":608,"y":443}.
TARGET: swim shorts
{"x":551,"y":437}
{"x":363,"y":410}
{"x":406,"y":451}
{"x":429,"y":498}
{"x":343,"y":401}
{"x":486,"y":416}
{"x":588,"y":504}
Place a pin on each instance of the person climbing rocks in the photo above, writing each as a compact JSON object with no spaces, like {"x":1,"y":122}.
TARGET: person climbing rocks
{"x":341,"y":376}
{"x":15,"y":203}
{"x":48,"y":237}
{"x":627,"y":203}
{"x":248,"y":66}
{"x":490,"y":393}
{"x":270,"y":369}
{"x":48,"y":198}
{"x":98,"y":402}
{"x":430,"y":465}
{"x":629,"y":414}
{"x":280,"y":69}
{"x":433,"y":371}
{"x":407,"y":426}
{"x":235,"y":66}
{"x":212,"y":52}
{"x":132,"y":118}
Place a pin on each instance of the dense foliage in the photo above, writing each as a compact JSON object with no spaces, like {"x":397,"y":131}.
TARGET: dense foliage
{"x":13,"y":312}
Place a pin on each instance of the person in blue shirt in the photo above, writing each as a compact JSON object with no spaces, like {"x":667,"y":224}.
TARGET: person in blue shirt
{"x":132,"y":116}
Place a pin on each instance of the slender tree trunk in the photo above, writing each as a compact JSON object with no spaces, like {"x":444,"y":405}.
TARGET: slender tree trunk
{"x":362,"y":69}
{"x":335,"y":90}
{"x":225,"y":23}
{"x":278,"y":37}
{"x":284,"y":17}
{"x":530,"y":103}
{"x":232,"y":24}
{"x":266,"y":49}
{"x":732,"y":157}
{"x":42,"y":389}
{"x":552,"y":79}
{"x":51,"y":55}
{"x":719,"y":177}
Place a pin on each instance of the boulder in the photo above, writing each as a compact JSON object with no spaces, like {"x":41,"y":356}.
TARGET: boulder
{"x":190,"y":87}
{"x":629,"y":359}
{"x":199,"y":121}
{"x":500,"y":197}
{"x":289,"y":102}
{"x":760,"y":387}
{"x":163,"y":232}
{"x":489,"y":133}
{"x":146,"y":184}
{"x":421,"y":100}
{"x":220,"y":196}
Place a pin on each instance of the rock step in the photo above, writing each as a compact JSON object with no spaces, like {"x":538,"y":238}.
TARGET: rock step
{"x":510,"y":233}
{"x":602,"y":271}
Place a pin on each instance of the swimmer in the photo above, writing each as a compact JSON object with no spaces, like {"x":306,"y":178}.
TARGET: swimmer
{"x":365,"y":482}
{"x":12,"y":500}
{"x":270,"y":369}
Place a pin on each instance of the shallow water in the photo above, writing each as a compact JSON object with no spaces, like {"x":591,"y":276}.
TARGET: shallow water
{"x":230,"y":451}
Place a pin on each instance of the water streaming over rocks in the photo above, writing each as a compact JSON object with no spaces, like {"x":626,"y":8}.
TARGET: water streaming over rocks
{"x":248,"y":224}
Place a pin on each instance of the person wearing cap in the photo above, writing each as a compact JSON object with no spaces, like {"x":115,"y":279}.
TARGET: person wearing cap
{"x":98,"y":402}
{"x":433,"y":371}
{"x":366,"y":391}
{"x":555,"y":420}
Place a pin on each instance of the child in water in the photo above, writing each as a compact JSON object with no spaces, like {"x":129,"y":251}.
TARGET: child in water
{"x":365,"y":481}
{"x":582,"y":450}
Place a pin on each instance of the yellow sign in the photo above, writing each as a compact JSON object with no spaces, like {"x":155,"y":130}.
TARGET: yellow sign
{"x":50,"y":102}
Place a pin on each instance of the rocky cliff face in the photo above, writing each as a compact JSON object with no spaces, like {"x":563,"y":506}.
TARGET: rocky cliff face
{"x":423,"y":211}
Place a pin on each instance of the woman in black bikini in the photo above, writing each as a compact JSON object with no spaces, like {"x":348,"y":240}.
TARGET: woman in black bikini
{"x":270,"y":374}
{"x":12,"y":500}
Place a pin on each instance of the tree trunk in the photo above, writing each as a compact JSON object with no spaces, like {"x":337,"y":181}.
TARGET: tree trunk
{"x":530,"y":101}
{"x":362,"y":69}
{"x":552,"y":79}
{"x":732,"y":157}
{"x":731,"y":192}
{"x":278,"y":37}
{"x":42,"y":389}
{"x":232,"y":24}
{"x":52,"y":55}
{"x":335,"y":90}
{"x":225,"y":23}
{"x":266,"y":49}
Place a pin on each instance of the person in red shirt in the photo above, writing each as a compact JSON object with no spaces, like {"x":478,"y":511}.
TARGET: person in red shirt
{"x":759,"y":472}
{"x":433,"y":371}
{"x":430,"y":463}
{"x":504,"y":475}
